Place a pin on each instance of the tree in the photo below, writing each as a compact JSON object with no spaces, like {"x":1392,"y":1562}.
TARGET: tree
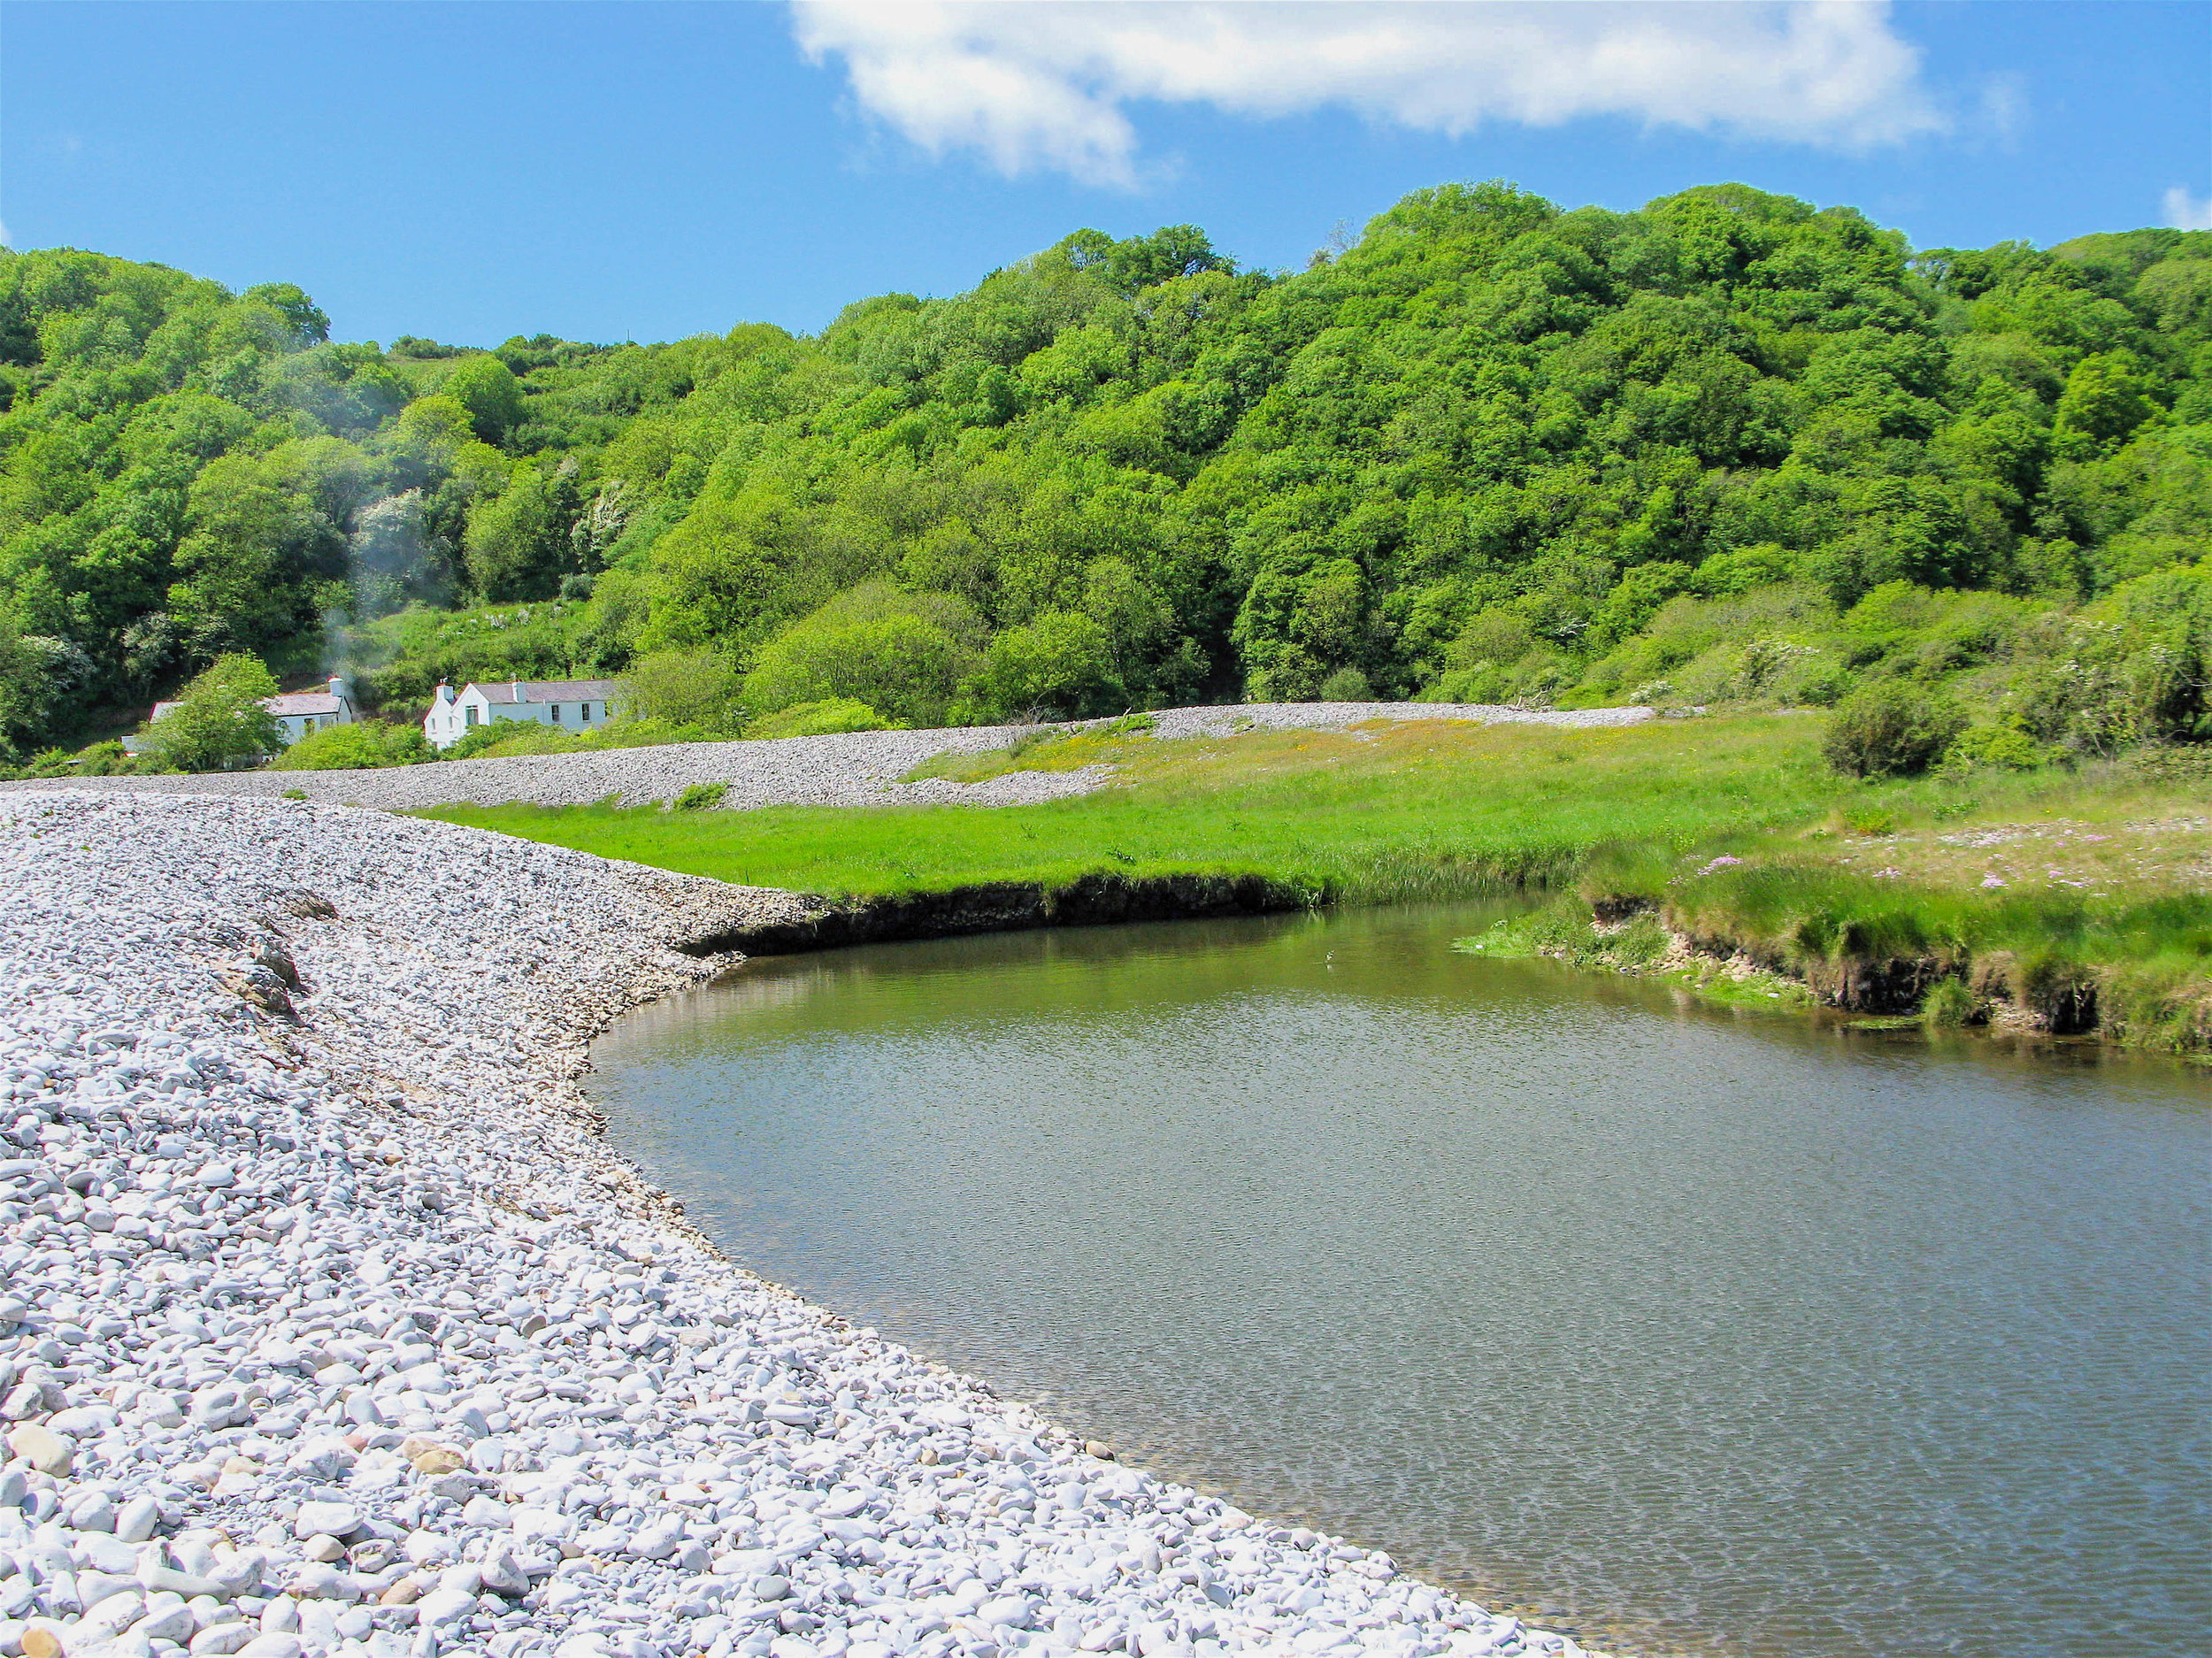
{"x":257,"y":528}
{"x":684,"y":687}
{"x":305,"y":319}
{"x":488,"y":388}
{"x":1485,"y":405}
{"x":516,"y":539}
{"x":902,"y":654}
{"x":217,"y":720}
{"x":2105,"y":399}
{"x":1060,"y":664}
{"x":438,"y":422}
{"x":1297,"y":627}
{"x":393,"y":558}
{"x":36,"y":674}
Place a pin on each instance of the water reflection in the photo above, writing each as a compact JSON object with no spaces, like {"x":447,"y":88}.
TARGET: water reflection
{"x":1679,"y":1328}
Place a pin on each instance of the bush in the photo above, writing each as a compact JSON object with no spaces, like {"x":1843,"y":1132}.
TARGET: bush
{"x":701,"y":797}
{"x":1347,"y":685}
{"x":219,"y":721}
{"x":505,"y":739}
{"x":355,"y":748}
{"x":819,"y":720}
{"x":1891,"y":730}
{"x":2003,"y":748}
{"x":476,"y":739}
{"x":105,"y":759}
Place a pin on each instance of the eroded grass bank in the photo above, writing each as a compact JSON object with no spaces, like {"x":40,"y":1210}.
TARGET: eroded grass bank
{"x":2076,"y":899}
{"x":2093,"y":915}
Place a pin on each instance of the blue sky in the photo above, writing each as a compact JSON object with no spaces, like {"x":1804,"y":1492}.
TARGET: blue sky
{"x":474,"y":170}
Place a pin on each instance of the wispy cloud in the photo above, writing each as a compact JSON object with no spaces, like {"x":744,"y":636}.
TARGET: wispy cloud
{"x":2184,"y":211}
{"x":1047,"y":87}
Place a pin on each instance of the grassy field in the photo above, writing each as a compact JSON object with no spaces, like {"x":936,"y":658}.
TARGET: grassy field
{"x":1392,"y":811}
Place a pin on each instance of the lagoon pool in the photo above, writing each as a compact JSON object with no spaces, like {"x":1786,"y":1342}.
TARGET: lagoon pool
{"x":1682,"y":1330}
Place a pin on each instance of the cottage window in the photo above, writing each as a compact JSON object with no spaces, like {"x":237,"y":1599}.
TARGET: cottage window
{"x":471,"y":719}
{"x":556,"y":713}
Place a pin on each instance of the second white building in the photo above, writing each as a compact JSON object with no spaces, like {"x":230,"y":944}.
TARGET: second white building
{"x":568,"y":704}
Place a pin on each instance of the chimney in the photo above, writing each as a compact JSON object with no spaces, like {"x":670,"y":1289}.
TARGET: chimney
{"x":339,"y":688}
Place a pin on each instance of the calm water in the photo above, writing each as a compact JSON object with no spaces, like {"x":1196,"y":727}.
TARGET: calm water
{"x":1688,"y":1331}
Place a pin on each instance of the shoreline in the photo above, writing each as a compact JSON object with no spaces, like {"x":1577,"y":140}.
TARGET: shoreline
{"x":332,"y":1326}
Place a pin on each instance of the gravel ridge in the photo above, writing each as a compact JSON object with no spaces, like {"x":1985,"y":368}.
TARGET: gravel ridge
{"x":859,"y":768}
{"x":329,"y":1326}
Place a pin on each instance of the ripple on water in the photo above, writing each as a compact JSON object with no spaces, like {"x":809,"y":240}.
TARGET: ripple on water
{"x":1693,"y":1330}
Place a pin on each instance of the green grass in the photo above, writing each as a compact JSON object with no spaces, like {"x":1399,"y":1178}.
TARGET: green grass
{"x":1416,"y":810}
{"x":1733,"y":829}
{"x":2061,"y":885}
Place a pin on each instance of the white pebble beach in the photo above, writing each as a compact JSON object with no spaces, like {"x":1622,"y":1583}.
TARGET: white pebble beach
{"x":329,"y":1326}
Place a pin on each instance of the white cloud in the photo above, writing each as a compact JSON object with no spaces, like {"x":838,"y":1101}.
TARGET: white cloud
{"x":2184,"y":211}
{"x":1035,"y":85}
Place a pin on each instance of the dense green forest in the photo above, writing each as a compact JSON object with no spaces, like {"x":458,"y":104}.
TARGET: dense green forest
{"x":1726,"y":449}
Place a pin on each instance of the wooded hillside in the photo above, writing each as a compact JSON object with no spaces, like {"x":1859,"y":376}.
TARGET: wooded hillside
{"x":1727,"y":447}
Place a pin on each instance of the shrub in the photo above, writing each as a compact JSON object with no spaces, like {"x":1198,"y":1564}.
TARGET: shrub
{"x":1726,"y":574}
{"x":1347,"y":685}
{"x":48,"y":763}
{"x":2003,"y":748}
{"x":819,"y":720}
{"x":1891,"y":730}
{"x":1496,"y":635}
{"x":701,"y":797}
{"x":218,"y":720}
{"x":354,"y":748}
{"x":476,"y":739}
{"x":105,"y":759}
{"x":1485,"y":683}
{"x":505,"y":739}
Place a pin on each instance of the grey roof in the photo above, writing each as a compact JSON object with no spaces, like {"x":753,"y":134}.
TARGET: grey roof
{"x":546,"y":690}
{"x":296,"y":703}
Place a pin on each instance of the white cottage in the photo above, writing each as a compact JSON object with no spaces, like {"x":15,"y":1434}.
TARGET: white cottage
{"x":567,"y":704}
{"x":297,"y":712}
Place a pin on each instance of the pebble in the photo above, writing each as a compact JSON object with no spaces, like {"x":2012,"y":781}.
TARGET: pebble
{"x":859,"y":768}
{"x":334,"y":1330}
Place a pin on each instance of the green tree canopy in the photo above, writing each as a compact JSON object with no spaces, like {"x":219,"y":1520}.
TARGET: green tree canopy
{"x":217,"y":720}
{"x":1612,"y":428}
{"x":902,"y":655}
